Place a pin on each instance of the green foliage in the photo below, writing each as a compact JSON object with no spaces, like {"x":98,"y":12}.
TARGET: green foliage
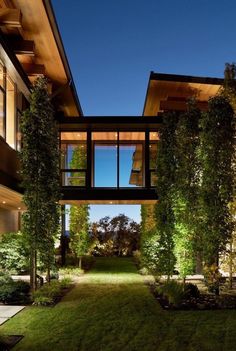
{"x":229,"y":88}
{"x":79,"y":215}
{"x":79,"y":240}
{"x":217,"y":181}
{"x":14,"y":254}
{"x":186,"y":193}
{"x":40,"y":174}
{"x":66,"y":282}
{"x":148,"y":238}
{"x":166,"y":175}
{"x":13,"y":291}
{"x":172,"y":291}
{"x":117,"y":236}
{"x":191,"y":290}
{"x":48,"y":294}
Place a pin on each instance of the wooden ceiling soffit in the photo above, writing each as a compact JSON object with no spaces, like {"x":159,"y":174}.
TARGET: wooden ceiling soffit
{"x":32,"y":69}
{"x":167,"y":105}
{"x":10,"y":17}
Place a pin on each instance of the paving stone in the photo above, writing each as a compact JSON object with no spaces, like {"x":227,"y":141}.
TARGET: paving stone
{"x":9,"y":311}
{"x":3,"y":320}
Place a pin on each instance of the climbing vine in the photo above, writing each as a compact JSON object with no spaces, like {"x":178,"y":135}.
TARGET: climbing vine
{"x":40,"y":178}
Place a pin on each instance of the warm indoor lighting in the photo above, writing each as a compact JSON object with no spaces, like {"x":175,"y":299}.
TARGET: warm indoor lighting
{"x":4,"y":202}
{"x":110,"y":202}
{"x":19,"y":208}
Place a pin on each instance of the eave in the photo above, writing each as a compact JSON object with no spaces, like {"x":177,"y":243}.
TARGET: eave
{"x":171,"y":92}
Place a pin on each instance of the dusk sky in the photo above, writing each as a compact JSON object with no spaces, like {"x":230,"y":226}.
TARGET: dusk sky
{"x":113,"y":45}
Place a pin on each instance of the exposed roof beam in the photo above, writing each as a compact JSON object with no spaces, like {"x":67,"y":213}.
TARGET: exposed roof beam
{"x":168,"y":105}
{"x":10,"y":17}
{"x":32,"y":69}
{"x":23,"y":47}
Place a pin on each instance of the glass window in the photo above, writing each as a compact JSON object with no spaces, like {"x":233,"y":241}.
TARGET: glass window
{"x":131,"y":165}
{"x":105,"y":159}
{"x":2,"y":102}
{"x":77,"y":178}
{"x":2,"y":114}
{"x":105,"y":165}
{"x":2,"y":77}
{"x":73,"y":158}
{"x":153,"y":147}
{"x":10,"y":113}
{"x":131,"y":159}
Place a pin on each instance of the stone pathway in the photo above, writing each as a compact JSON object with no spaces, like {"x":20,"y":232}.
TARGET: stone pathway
{"x":7,"y":312}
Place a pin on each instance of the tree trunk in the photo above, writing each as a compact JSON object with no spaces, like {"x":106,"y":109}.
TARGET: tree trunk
{"x":33,"y":270}
{"x":63,"y":238}
{"x":231,"y":264}
{"x":48,"y":274}
{"x":217,"y":290}
{"x":80,"y":262}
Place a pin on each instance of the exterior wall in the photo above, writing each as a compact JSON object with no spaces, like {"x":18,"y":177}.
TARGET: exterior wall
{"x":9,"y":221}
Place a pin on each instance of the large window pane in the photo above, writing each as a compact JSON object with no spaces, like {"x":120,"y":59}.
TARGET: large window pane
{"x":153,"y":147}
{"x":73,"y":158}
{"x":10,"y":113}
{"x":105,"y":165}
{"x":2,"y":115}
{"x":131,"y":165}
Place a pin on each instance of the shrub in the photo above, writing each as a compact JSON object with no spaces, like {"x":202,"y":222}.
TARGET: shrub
{"x":143,"y":271}
{"x":14,"y":255}
{"x":43,"y":300}
{"x":48,"y":294}
{"x":13,"y":291}
{"x":65,"y":282}
{"x":5,"y":278}
{"x":172,"y":291}
{"x":137,"y":257}
{"x":191,"y":290}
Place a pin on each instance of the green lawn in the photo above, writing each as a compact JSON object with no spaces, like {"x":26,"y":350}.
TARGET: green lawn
{"x":111,"y":309}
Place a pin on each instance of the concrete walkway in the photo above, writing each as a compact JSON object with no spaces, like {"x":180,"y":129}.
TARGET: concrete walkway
{"x":7,"y":312}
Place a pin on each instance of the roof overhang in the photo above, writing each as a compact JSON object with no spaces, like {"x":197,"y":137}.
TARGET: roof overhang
{"x":42,"y":52}
{"x":171,"y":92}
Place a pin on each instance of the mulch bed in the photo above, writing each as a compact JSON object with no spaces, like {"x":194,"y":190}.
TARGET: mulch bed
{"x":7,"y":342}
{"x":203,"y":302}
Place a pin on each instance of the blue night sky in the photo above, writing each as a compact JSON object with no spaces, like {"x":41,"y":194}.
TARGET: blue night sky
{"x":113,"y":45}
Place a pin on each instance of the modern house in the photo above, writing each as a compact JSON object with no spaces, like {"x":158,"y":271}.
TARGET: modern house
{"x":116,"y":162}
{"x":30,"y":45}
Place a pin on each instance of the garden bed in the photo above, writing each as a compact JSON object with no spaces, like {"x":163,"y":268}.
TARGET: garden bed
{"x":205,"y":301}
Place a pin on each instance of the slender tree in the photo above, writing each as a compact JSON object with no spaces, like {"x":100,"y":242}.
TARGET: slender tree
{"x":149,"y":238}
{"x":79,"y":226}
{"x":217,"y":159}
{"x":79,"y":215}
{"x":166,"y":174}
{"x":186,"y":193}
{"x":40,"y":178}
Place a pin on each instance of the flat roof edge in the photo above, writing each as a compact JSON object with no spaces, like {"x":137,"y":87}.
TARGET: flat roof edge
{"x":57,"y":36}
{"x":185,"y":79}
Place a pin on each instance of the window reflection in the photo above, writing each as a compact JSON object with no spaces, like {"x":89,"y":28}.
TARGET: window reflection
{"x":74,"y":158}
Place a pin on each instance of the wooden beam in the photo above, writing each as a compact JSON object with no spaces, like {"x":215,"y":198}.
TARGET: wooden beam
{"x":32,"y":69}
{"x":168,"y":105}
{"x":23,"y":47}
{"x":10,"y":17}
